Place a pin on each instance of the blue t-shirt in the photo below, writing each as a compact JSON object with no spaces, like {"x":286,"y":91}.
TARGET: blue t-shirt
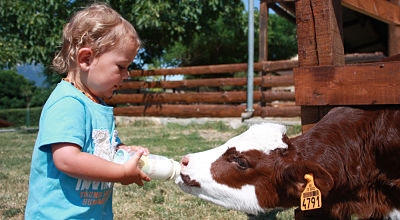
{"x":70,"y":116}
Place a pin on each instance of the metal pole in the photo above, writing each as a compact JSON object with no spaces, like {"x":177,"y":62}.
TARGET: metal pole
{"x":250,"y":67}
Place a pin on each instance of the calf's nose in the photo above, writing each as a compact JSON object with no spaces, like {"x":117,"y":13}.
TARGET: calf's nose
{"x":185,"y":161}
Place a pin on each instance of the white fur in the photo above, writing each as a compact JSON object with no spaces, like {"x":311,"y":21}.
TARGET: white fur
{"x":264,"y":137}
{"x":393,"y":215}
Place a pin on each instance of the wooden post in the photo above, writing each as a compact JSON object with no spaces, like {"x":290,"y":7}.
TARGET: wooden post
{"x":320,"y":42}
{"x":394,"y":36}
{"x":263,"y":43}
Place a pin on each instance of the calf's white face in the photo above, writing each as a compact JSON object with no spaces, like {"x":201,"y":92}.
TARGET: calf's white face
{"x":230,"y":175}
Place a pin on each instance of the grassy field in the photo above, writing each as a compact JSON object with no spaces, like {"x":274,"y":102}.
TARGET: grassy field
{"x":156,"y":199}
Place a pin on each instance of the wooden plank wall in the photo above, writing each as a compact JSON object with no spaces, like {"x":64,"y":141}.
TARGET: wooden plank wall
{"x":321,"y":80}
{"x":362,"y":84}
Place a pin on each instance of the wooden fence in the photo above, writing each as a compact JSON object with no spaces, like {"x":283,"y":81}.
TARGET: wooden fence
{"x":184,"y":98}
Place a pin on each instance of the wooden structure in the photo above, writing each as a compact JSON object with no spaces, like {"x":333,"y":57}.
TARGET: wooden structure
{"x":326,"y":31}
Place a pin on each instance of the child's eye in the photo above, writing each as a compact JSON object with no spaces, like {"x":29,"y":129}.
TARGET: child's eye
{"x":121,"y":67}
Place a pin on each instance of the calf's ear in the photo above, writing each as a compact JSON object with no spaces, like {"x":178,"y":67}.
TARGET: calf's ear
{"x":293,"y":177}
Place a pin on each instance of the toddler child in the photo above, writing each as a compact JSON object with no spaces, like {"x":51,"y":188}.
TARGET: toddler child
{"x":72,"y":172}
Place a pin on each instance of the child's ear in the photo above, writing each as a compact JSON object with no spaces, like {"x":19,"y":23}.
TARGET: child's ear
{"x":85,"y":57}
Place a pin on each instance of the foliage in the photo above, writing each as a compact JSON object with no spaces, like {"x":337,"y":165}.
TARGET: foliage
{"x":226,"y":42}
{"x":17,"y":116}
{"x":282,"y":40}
{"x":14,"y":89}
{"x":163,"y":23}
{"x":30,"y":31}
{"x":189,"y":32}
{"x":17,"y":92}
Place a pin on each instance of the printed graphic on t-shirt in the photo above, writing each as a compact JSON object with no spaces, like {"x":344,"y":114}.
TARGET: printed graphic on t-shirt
{"x":96,"y":192}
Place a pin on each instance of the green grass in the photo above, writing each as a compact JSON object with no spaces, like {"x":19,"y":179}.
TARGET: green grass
{"x":156,"y":199}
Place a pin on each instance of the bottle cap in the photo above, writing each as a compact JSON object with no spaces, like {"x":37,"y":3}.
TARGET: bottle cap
{"x":176,"y":170}
{"x":121,"y":156}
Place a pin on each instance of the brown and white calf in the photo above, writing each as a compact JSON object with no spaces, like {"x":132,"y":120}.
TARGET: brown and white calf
{"x":353,"y":154}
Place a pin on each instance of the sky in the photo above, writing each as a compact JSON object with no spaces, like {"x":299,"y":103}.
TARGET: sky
{"x":33,"y":73}
{"x":256,"y":3}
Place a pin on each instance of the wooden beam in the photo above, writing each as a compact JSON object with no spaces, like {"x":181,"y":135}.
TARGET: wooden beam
{"x":319,"y":33}
{"x":280,"y":1}
{"x":289,"y":6}
{"x":263,"y":35}
{"x":203,"y":97}
{"x":306,"y":42}
{"x":379,"y":9}
{"x":267,"y":66}
{"x":268,"y":81}
{"x":394,"y":35}
{"x":362,"y":84}
{"x":320,"y":42}
{"x":328,"y":31}
{"x":189,"y":111}
{"x":283,"y":13}
{"x":364,"y":57}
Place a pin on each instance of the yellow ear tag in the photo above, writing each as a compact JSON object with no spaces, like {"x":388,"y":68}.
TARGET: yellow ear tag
{"x":311,"y":196}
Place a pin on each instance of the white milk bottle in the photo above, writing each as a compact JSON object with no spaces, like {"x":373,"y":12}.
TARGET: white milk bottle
{"x":155,"y":166}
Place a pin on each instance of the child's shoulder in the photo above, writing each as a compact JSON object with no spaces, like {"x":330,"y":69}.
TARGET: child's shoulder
{"x":64,"y":94}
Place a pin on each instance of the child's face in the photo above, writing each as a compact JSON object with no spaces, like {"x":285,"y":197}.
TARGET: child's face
{"x":107,"y":71}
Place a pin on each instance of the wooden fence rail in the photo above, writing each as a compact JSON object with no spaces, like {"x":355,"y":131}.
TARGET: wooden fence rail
{"x":267,"y":81}
{"x":203,"y":97}
{"x":143,"y":98}
{"x":188,"y":111}
{"x":267,"y":66}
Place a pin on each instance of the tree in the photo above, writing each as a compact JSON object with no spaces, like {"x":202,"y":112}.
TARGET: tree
{"x":15,"y":90}
{"x":282,"y":40}
{"x":189,"y":32}
{"x":30,"y":31}
{"x":226,"y":42}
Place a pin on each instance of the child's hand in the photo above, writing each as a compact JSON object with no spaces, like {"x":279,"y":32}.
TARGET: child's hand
{"x":135,"y":148}
{"x":132,"y":174}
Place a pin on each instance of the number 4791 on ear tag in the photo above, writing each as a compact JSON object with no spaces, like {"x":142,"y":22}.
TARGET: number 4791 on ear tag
{"x":311,"y":196}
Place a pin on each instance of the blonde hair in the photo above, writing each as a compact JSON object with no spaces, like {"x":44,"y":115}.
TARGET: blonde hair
{"x":98,"y":27}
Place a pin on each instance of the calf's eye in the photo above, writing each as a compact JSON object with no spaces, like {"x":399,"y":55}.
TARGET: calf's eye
{"x":241,"y":162}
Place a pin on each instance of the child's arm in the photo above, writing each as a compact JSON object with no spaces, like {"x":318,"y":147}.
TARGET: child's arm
{"x":69,"y":159}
